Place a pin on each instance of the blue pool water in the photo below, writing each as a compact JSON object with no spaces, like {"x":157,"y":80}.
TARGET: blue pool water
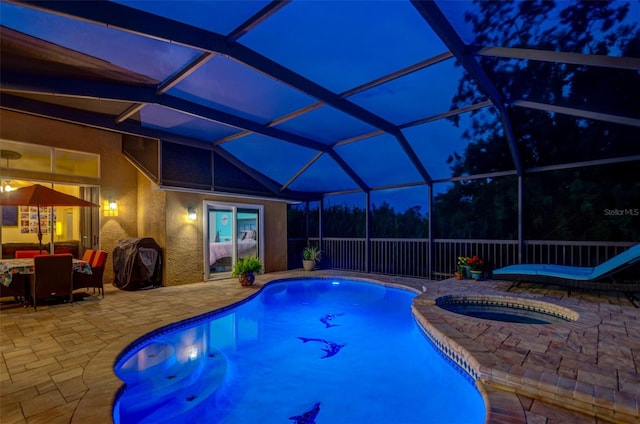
{"x":303,"y":351}
{"x":514,"y":310}
{"x":503,"y":313}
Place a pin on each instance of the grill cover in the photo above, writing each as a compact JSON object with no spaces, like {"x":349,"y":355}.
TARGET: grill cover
{"x":137,"y":263}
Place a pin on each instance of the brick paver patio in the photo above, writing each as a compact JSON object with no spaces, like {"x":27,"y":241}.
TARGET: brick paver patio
{"x":57,"y":363}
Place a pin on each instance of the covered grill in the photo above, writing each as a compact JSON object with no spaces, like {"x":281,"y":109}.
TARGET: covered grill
{"x":137,"y":263}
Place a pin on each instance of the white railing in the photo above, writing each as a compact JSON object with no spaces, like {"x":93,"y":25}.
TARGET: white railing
{"x":410,"y":257}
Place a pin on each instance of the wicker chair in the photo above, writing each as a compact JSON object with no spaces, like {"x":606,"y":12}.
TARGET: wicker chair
{"x":52,"y":278}
{"x":20,"y":254}
{"x":19,"y":287}
{"x":97,"y":259}
{"x":88,"y":255}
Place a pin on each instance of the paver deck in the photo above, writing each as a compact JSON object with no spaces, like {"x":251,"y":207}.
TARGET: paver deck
{"x":57,"y":363}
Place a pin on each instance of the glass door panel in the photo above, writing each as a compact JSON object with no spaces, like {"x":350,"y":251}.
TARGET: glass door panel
{"x":247,"y":224}
{"x":220,"y":236}
{"x":89,"y":220}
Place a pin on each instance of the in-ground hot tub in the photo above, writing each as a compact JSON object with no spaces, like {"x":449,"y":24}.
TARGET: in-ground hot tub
{"x":507,"y":309}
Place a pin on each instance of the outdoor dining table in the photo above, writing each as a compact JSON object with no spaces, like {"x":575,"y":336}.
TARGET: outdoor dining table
{"x":9,"y":267}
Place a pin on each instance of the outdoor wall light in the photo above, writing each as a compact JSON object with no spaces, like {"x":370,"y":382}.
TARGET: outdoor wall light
{"x":191,"y":214}
{"x":110,"y":207}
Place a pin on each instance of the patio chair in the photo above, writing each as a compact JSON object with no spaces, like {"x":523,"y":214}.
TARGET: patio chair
{"x":62,"y":249}
{"x":22,"y":254}
{"x":88,"y":255}
{"x":52,"y":278}
{"x":97,"y":260}
{"x":18,"y":288}
{"x":620,"y":273}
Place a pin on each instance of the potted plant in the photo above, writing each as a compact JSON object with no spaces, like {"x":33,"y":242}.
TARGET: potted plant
{"x":464,"y":268}
{"x":476,"y":265}
{"x":311,"y":255}
{"x":245,"y":269}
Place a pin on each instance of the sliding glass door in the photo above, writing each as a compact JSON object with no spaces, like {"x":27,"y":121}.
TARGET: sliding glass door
{"x":231,"y":232}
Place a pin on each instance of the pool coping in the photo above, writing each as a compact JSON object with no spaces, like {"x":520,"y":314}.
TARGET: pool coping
{"x":500,"y":383}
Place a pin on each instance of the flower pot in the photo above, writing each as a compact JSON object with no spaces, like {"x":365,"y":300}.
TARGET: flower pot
{"x":458,"y":275}
{"x":247,"y":279}
{"x":308,"y":265}
{"x":467,"y":271}
{"x":476,"y":275}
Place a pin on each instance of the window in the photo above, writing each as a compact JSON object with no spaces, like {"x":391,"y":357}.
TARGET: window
{"x":37,"y":158}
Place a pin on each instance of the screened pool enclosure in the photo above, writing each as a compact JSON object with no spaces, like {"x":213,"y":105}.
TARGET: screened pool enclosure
{"x":396,"y":129}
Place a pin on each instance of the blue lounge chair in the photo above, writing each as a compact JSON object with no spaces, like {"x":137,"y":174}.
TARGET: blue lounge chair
{"x":620,"y":273}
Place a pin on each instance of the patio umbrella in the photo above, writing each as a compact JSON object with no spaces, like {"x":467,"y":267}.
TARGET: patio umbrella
{"x":40,"y":196}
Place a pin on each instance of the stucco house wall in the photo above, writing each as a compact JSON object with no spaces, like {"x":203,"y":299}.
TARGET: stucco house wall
{"x":143,"y":209}
{"x":185,"y":241}
{"x":118,"y":176}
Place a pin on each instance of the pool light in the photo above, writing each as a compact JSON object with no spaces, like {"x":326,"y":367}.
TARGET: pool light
{"x":193,"y":353}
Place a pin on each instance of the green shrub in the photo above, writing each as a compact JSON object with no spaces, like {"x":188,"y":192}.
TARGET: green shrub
{"x":312,"y":253}
{"x":247,"y":265}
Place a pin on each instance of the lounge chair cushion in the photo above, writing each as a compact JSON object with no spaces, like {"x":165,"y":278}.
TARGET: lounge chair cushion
{"x":549,"y":270}
{"x":576,"y":273}
{"x":624,"y":259}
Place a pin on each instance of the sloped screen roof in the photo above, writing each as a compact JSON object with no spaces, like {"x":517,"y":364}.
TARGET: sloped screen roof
{"x":308,"y":98}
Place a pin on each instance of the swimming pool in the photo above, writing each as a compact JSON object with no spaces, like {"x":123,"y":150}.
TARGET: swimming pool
{"x":299,"y":351}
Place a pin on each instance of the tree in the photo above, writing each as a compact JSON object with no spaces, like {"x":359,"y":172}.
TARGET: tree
{"x":560,"y":204}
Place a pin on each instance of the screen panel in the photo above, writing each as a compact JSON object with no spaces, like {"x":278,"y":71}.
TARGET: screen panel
{"x":170,"y":120}
{"x":227,"y":85}
{"x":277,"y":159}
{"x":323,"y":37}
{"x":418,"y":95}
{"x":467,"y":144}
{"x":586,"y":27}
{"x":379,"y":161}
{"x":144,"y":55}
{"x":218,"y":16}
{"x":326,"y":125}
{"x":186,"y":166}
{"x":324,"y":175}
